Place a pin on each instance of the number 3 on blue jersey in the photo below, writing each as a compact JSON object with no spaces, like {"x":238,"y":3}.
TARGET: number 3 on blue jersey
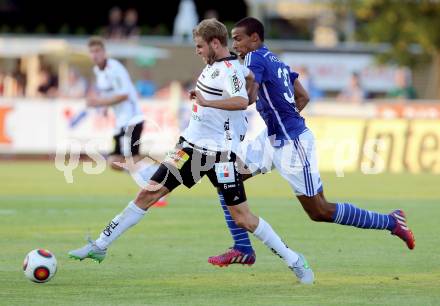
{"x":284,"y":73}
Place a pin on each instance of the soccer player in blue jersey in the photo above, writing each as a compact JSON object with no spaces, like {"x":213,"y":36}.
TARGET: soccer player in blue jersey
{"x":288,"y":145}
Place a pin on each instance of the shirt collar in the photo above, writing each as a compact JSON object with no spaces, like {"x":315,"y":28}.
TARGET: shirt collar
{"x":263,"y":48}
{"x":233,"y":56}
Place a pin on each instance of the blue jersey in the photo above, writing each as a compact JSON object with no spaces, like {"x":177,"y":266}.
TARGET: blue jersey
{"x":276,"y":102}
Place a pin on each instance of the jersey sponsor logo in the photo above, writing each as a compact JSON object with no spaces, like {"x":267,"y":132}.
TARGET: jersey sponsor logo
{"x":227,"y":131}
{"x":274,"y":59}
{"x":225,"y":172}
{"x":236,"y":83}
{"x":195,"y":116}
{"x":215,"y":74}
{"x":226,"y":125}
{"x":177,"y":158}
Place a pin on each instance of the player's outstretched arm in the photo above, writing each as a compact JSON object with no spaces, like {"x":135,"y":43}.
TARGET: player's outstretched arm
{"x":233,"y":103}
{"x":93,"y":101}
{"x":301,"y":95}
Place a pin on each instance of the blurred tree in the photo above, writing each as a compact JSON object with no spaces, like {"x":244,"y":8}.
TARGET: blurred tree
{"x":161,"y":30}
{"x":64,"y":29}
{"x":4,"y":28}
{"x":145,"y":30}
{"x":229,"y":25}
{"x":411,"y":27}
{"x":80,"y":31}
{"x":100,"y":31}
{"x":41,"y":29}
{"x":20,"y":29}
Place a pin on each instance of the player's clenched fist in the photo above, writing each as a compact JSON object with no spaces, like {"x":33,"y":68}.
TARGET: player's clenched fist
{"x":200,"y":100}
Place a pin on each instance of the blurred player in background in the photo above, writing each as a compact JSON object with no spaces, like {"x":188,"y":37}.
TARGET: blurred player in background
{"x":116,"y":90}
{"x":288,"y":145}
{"x":205,"y":149}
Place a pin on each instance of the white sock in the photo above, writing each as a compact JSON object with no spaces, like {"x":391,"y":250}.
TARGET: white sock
{"x":130,"y":216}
{"x":267,"y":235}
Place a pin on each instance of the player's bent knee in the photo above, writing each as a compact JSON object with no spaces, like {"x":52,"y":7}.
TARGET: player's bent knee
{"x":143,"y":198}
{"x":317,"y":208}
{"x":315,"y":215}
{"x":149,"y":195}
{"x":321,"y":213}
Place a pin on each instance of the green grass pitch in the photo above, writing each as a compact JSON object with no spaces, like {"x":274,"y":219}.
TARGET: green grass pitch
{"x":163,"y":260}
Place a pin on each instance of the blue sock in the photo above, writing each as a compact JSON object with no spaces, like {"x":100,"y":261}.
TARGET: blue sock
{"x":239,"y":235}
{"x":348,"y":214}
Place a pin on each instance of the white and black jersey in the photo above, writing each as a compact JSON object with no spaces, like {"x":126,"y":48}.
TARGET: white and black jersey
{"x":115,"y":80}
{"x":212,"y":128}
{"x":206,"y":144}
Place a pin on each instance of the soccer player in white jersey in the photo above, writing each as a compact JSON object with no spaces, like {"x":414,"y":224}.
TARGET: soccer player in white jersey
{"x":288,"y":145}
{"x":116,"y":90}
{"x":203,"y":149}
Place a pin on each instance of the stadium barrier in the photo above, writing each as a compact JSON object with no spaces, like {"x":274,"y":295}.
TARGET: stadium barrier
{"x":377,"y":145}
{"x":371,"y":138}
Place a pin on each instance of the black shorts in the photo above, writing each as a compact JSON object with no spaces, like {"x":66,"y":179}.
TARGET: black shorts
{"x":187,"y":164}
{"x":127,"y":141}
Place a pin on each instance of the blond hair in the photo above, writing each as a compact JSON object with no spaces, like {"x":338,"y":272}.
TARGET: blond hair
{"x":96,"y":41}
{"x":209,"y":29}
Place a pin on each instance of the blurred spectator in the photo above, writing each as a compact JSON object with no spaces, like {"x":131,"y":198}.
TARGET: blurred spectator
{"x":403,"y":88}
{"x":9,"y":86}
{"x":2,"y":80}
{"x":13,"y":84}
{"x":145,"y":86}
{"x":48,"y":83}
{"x":186,"y":20}
{"x":19,"y":79}
{"x":308,"y":83}
{"x":130,"y":27}
{"x":114,"y":29}
{"x":76,"y":86}
{"x":163,"y":93}
{"x":211,"y":14}
{"x":353,"y":92}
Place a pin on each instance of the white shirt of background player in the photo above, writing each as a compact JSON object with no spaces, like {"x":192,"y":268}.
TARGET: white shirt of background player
{"x":114,"y":80}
